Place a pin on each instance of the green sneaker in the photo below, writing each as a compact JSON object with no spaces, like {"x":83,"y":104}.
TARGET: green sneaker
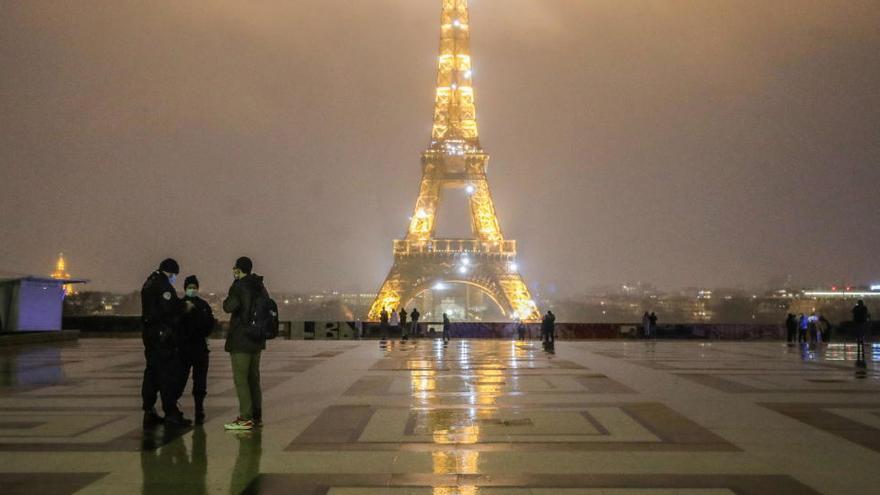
{"x":239,"y":424}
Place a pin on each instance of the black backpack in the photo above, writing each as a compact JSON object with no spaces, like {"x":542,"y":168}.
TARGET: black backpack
{"x":263,"y":322}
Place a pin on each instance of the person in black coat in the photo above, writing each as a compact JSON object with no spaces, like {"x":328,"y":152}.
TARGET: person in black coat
{"x":404,"y":330}
{"x":161,"y":311}
{"x":548,"y":330}
{"x":414,"y":316}
{"x":791,"y":328}
{"x":195,"y":328}
{"x":383,"y":323}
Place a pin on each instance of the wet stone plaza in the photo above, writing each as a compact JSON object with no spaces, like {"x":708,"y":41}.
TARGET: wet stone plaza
{"x":471,"y":417}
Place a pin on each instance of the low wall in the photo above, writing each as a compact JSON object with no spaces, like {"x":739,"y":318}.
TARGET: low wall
{"x":585,"y":331}
{"x":93,"y":326}
{"x":335,"y":330}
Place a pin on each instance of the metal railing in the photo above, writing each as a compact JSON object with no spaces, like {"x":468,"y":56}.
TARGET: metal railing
{"x":475,"y":246}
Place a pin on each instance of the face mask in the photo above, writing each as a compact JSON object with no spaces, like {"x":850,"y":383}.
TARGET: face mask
{"x":172,"y":279}
{"x":192,"y":292}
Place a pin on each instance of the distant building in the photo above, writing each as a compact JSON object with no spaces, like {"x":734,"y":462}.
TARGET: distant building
{"x":844,"y":293}
{"x":60,"y":273}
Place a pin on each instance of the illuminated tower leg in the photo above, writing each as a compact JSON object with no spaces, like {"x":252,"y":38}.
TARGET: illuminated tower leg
{"x":389,"y":297}
{"x":421,"y":227}
{"x":518,"y":297}
{"x":484,"y":221}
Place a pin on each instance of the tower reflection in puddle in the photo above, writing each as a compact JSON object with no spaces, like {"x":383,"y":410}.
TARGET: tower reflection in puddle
{"x":452,"y":426}
{"x":455,"y":391}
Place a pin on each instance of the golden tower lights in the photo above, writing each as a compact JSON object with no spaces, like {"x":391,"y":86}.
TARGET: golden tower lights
{"x":455,"y":160}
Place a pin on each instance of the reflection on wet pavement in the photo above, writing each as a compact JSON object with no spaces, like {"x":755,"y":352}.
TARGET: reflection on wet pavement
{"x":467,"y":417}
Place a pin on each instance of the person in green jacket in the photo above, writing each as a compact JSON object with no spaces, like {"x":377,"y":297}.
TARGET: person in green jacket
{"x":244,"y":350}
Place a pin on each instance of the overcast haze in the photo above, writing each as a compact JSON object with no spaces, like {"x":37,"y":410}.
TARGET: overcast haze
{"x":715,"y":143}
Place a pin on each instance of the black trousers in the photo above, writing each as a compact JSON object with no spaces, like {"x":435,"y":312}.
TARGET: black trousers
{"x":161,"y":378}
{"x":196,"y":362}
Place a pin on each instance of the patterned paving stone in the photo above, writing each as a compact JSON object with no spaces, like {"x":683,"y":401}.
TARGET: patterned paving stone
{"x":470,"y":417}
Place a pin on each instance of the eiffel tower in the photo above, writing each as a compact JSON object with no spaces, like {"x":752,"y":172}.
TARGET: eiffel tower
{"x":455,"y":160}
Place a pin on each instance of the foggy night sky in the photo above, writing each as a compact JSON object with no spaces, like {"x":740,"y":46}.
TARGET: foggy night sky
{"x":704,"y":142}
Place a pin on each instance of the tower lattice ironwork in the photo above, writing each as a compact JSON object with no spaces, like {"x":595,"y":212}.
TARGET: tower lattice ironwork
{"x":455,"y":160}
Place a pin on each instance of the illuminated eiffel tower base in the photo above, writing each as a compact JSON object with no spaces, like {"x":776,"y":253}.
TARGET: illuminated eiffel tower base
{"x":455,"y":160}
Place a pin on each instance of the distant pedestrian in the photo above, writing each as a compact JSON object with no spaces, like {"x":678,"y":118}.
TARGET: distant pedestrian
{"x":646,"y":325}
{"x":520,"y":330}
{"x":395,"y":321}
{"x":652,"y":327}
{"x":195,"y":328}
{"x":414,"y":316}
{"x":803,"y":327}
{"x":404,"y":333}
{"x":244,"y":348}
{"x":447,"y":328}
{"x":383,"y":323}
{"x":548,"y":330}
{"x":791,"y":328}
{"x":812,"y":328}
{"x":825,"y":327}
{"x":161,"y":310}
{"x":861,"y":319}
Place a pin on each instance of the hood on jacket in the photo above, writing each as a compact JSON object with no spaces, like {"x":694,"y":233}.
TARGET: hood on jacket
{"x":252,"y":282}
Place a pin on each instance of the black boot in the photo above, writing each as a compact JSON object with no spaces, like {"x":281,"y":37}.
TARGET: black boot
{"x":176,"y":419}
{"x":200,"y":410}
{"x":151,"y":418}
{"x":258,"y":417}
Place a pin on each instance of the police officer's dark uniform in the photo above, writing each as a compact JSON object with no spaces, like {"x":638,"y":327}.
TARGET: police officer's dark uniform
{"x":195,"y":328}
{"x":160,"y":311}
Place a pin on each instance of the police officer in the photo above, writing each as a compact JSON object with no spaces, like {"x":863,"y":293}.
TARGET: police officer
{"x":195,"y":328}
{"x":160,"y":312}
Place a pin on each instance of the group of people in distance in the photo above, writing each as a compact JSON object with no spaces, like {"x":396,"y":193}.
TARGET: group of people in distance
{"x":548,"y":331}
{"x":175,"y":333}
{"x":396,"y":320}
{"x":802,"y":328}
{"x":817,"y":329}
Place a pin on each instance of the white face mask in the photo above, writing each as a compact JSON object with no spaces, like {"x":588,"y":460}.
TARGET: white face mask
{"x":192,"y":292}
{"x":172,"y":279}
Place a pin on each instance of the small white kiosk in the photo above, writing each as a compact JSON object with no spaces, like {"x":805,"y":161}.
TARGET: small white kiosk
{"x":32,"y":304}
